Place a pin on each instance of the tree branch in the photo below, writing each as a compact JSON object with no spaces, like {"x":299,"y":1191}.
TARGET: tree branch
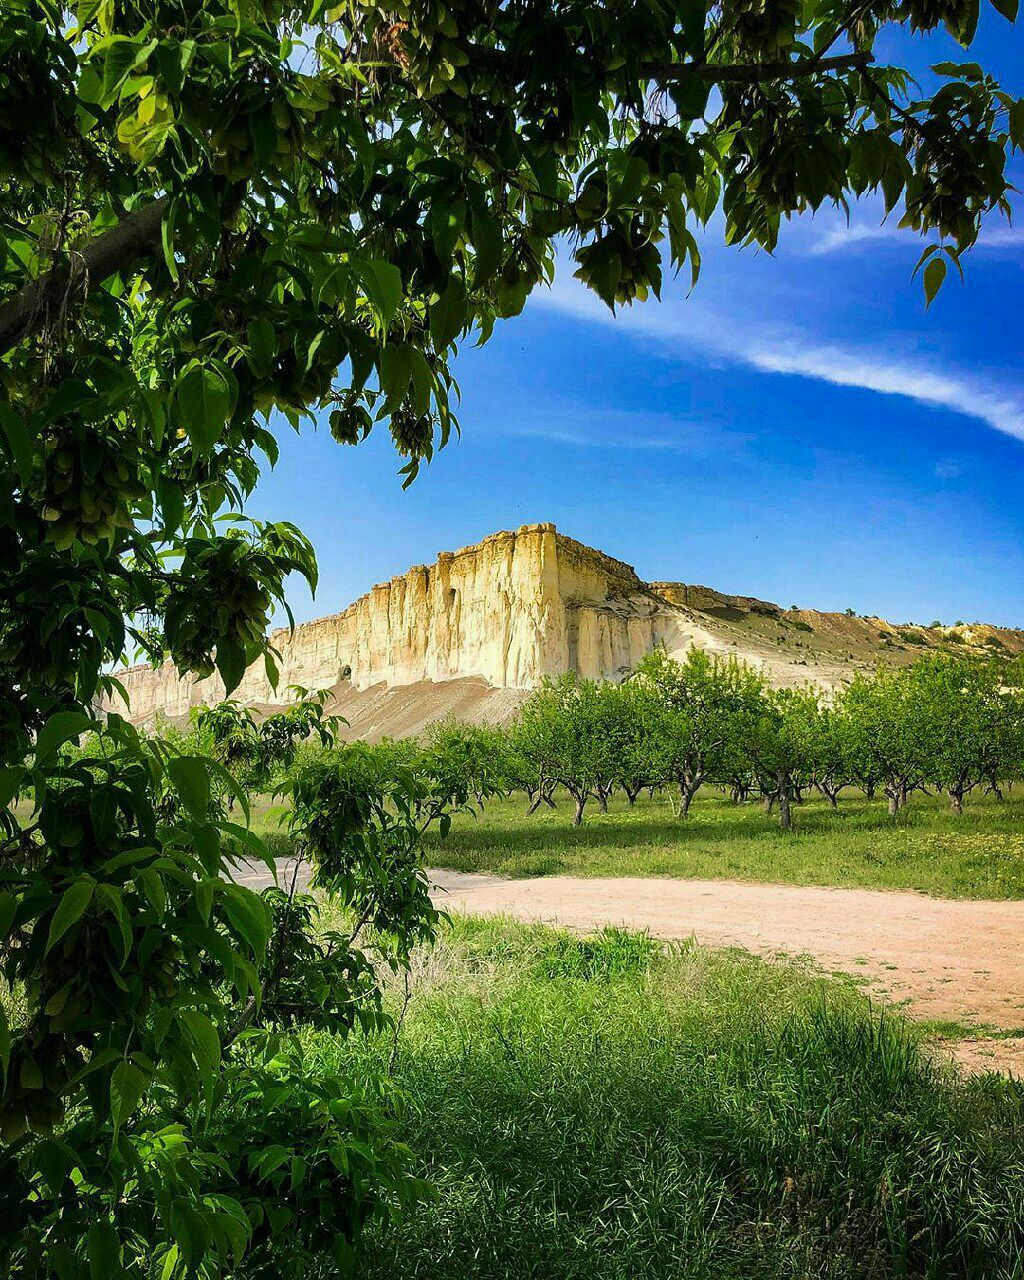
{"x":30,"y":309}
{"x":758,"y":72}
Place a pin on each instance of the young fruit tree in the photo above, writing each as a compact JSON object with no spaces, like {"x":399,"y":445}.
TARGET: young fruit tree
{"x":965,"y":722}
{"x":221,"y":219}
{"x":705,"y":706}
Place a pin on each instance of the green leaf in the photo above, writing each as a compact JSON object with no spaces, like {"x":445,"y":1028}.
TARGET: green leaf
{"x":153,"y":887}
{"x":934,"y":274}
{"x":167,"y":240}
{"x":172,"y":502}
{"x":5,"y":1043}
{"x":248,"y":915}
{"x":122,"y":54}
{"x":203,"y":400}
{"x":191,"y":1233}
{"x":205,"y":1044}
{"x":109,"y":897}
{"x":448,"y":314}
{"x":421,"y":383}
{"x":231,"y":663}
{"x":103,"y":1247}
{"x":191,"y":780}
{"x":61,"y":727}
{"x":383,"y":285}
{"x":262,"y":343}
{"x":12,"y":779}
{"x":487,"y":245}
{"x":169,"y":1263}
{"x":127,"y":1085}
{"x":18,"y":439}
{"x":395,"y":371}
{"x":8,"y":910}
{"x":70,"y":909}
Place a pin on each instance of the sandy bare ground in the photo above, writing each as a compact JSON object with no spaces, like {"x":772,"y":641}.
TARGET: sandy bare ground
{"x":933,"y":957}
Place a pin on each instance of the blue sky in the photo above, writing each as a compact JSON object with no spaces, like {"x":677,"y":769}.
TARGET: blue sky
{"x":798,"y":427}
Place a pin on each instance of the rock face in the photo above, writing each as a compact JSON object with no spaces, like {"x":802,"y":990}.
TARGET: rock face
{"x":502,"y":615}
{"x":510,"y":610}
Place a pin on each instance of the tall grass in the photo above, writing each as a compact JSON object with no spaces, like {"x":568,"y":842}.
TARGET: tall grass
{"x":607,"y":1108}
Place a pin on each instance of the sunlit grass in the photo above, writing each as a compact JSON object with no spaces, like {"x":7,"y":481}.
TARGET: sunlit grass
{"x":978,"y":855}
{"x":604,"y":1108}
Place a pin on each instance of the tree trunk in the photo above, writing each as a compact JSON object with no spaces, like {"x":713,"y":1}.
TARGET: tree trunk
{"x":956,"y":800}
{"x":137,"y":235}
{"x":577,"y":817}
{"x":869,"y":791}
{"x":893,"y":796}
{"x":785,"y":814}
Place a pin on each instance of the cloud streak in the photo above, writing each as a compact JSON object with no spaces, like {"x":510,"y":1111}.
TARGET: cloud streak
{"x":841,"y":237}
{"x":737,"y":342}
{"x":621,"y":429}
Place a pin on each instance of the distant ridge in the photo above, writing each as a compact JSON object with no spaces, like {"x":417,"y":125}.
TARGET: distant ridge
{"x":472,"y":633}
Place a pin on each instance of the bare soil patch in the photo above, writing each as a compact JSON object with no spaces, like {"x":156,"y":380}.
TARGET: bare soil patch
{"x":936,"y":959}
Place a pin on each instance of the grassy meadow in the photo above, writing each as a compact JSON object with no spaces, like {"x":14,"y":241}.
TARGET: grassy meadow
{"x":977,"y":855}
{"x":605,"y":1108}
{"x":612,"y":1108}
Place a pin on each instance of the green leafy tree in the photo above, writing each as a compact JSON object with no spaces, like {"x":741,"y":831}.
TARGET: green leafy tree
{"x":257,"y":753}
{"x":823,"y":729}
{"x":638,"y":714}
{"x":776,"y":744}
{"x":524,"y":763}
{"x":217,"y":216}
{"x":464,"y":760}
{"x":966,"y":722}
{"x":705,"y":707}
{"x":566,"y":729}
{"x":885,"y":742}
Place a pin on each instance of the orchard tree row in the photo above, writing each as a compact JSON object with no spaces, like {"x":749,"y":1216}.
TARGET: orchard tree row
{"x":944,"y":724}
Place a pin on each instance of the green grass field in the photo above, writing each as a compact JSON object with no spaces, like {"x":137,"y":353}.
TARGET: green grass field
{"x":978,"y":855}
{"x":603,"y":1109}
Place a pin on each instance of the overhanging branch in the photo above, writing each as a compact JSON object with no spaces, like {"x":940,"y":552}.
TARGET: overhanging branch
{"x":759,"y":72}
{"x":31,"y":308}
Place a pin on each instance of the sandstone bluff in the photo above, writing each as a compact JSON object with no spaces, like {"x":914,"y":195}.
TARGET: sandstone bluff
{"x":471,"y":633}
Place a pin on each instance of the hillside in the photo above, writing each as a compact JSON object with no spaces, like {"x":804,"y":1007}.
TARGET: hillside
{"x":472,"y":633}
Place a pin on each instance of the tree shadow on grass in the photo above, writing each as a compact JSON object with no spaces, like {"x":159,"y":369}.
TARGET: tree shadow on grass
{"x":549,"y":843}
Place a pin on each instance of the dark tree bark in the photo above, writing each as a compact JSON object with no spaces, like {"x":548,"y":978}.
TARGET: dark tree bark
{"x":785,"y":813}
{"x":581,"y":804}
{"x":51,"y":296}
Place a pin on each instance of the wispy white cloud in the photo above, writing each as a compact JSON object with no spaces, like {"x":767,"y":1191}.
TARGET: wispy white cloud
{"x":622,"y":429}
{"x":958,"y":392}
{"x":838,"y":237}
{"x":735,"y":340}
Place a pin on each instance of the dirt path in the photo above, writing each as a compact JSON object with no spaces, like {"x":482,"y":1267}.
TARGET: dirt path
{"x":937,"y":958}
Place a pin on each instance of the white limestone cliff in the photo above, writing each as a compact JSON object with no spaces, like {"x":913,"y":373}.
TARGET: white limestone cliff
{"x":518,"y":606}
{"x":510,"y":610}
